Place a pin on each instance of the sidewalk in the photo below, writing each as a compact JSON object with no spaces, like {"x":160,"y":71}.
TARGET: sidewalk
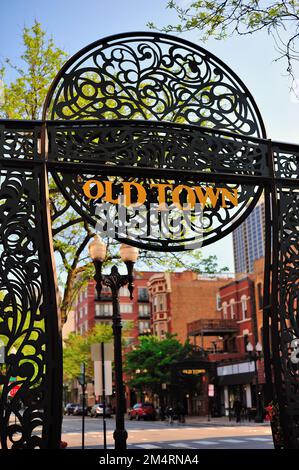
{"x":202,"y":421}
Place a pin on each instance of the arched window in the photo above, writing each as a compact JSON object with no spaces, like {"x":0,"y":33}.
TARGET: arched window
{"x":232,"y":308}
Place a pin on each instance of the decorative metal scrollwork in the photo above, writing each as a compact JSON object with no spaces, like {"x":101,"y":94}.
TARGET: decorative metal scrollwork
{"x":288,"y":307}
{"x":26,"y":303}
{"x":286,"y":158}
{"x":19,"y":142}
{"x":148,"y":145}
{"x":152,"y":76}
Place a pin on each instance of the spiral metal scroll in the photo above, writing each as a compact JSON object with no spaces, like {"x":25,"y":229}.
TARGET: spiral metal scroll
{"x":152,"y":76}
{"x":27,"y":315}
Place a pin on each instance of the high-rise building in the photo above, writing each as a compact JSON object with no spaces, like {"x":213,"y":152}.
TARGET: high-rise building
{"x":249,"y":239}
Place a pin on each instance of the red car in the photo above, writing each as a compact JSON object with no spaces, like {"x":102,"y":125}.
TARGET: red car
{"x":142,"y":410}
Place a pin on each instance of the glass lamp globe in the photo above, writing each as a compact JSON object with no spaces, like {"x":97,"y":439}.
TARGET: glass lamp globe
{"x":249,"y":347}
{"x":258,"y":347}
{"x":97,"y":249}
{"x":128,"y":253}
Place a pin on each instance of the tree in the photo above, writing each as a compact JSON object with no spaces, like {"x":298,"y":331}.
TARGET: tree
{"x":24,"y":98}
{"x":222,"y":18}
{"x":148,"y":365}
{"x":77,"y":350}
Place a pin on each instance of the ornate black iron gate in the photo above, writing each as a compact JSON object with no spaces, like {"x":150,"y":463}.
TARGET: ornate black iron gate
{"x":149,"y":107}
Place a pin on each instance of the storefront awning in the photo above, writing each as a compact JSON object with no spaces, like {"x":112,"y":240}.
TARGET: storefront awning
{"x":236,"y":379}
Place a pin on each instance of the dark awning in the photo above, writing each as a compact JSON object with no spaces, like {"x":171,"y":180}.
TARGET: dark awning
{"x":235,"y":379}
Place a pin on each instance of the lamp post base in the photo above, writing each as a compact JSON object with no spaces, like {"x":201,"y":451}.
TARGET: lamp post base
{"x":120,"y":438}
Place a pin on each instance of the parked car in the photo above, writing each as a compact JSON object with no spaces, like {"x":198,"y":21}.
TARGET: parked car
{"x":142,"y":410}
{"x":78,"y":410}
{"x":98,"y":410}
{"x":69,"y":408}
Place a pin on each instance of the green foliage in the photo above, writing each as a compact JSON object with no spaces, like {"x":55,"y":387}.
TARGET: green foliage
{"x":148,"y":365}
{"x":77,"y":350}
{"x":220,"y":19}
{"x":42,"y":60}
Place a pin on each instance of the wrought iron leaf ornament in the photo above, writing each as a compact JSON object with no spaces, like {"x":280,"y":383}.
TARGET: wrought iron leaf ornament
{"x":152,"y":77}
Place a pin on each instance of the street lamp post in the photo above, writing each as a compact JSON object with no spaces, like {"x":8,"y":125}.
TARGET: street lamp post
{"x":129,"y":255}
{"x":255,"y":355}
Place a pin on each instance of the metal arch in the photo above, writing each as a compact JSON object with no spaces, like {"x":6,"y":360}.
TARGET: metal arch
{"x":27,"y":275}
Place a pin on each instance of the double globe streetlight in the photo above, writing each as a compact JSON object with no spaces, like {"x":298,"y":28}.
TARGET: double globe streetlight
{"x":255,"y":355}
{"x":129,"y":255}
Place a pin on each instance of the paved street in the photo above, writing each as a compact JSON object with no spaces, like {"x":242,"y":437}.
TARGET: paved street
{"x":161,"y":435}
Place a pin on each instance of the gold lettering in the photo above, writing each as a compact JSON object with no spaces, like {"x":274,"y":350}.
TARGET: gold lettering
{"x":87,"y":189}
{"x":108,"y":197}
{"x":231,"y":195}
{"x":190,"y":196}
{"x":161,"y":193}
{"x":208,"y":194}
{"x":141,"y":193}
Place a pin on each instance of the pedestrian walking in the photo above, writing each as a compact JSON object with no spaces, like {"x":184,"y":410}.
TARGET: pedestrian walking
{"x":237,"y":408}
{"x":180,"y":411}
{"x":170,"y":414}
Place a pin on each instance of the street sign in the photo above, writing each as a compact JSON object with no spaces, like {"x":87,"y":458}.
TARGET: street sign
{"x":211,"y":391}
{"x":193,"y":371}
{"x":98,"y":387}
{"x":96,"y":352}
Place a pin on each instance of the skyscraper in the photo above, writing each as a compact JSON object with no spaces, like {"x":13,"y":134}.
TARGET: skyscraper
{"x":248,"y":239}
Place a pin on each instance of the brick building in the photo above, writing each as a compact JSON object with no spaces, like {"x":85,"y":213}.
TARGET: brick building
{"x":233,"y":371}
{"x":89,"y":311}
{"x":179,"y":298}
{"x":219,"y":314}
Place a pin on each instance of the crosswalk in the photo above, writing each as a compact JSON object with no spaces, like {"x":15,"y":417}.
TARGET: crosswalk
{"x":246,"y":442}
{"x":217,"y":443}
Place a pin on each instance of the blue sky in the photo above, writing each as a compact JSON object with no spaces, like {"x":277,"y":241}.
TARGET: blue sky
{"x":75,"y":23}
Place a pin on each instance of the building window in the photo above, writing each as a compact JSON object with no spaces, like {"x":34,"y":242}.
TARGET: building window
{"x":260,"y":295}
{"x":80,"y":312}
{"x":85,"y":310}
{"x":245,"y":341}
{"x":143,"y":310}
{"x":126,"y":308}
{"x":123,"y":292}
{"x":218,"y":302}
{"x":144,"y":326}
{"x":85,"y":292}
{"x":159,"y":303}
{"x":142,"y":294}
{"x":224,"y":310}
{"x":103,"y":310}
{"x":244,"y":306}
{"x":232,"y":308}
